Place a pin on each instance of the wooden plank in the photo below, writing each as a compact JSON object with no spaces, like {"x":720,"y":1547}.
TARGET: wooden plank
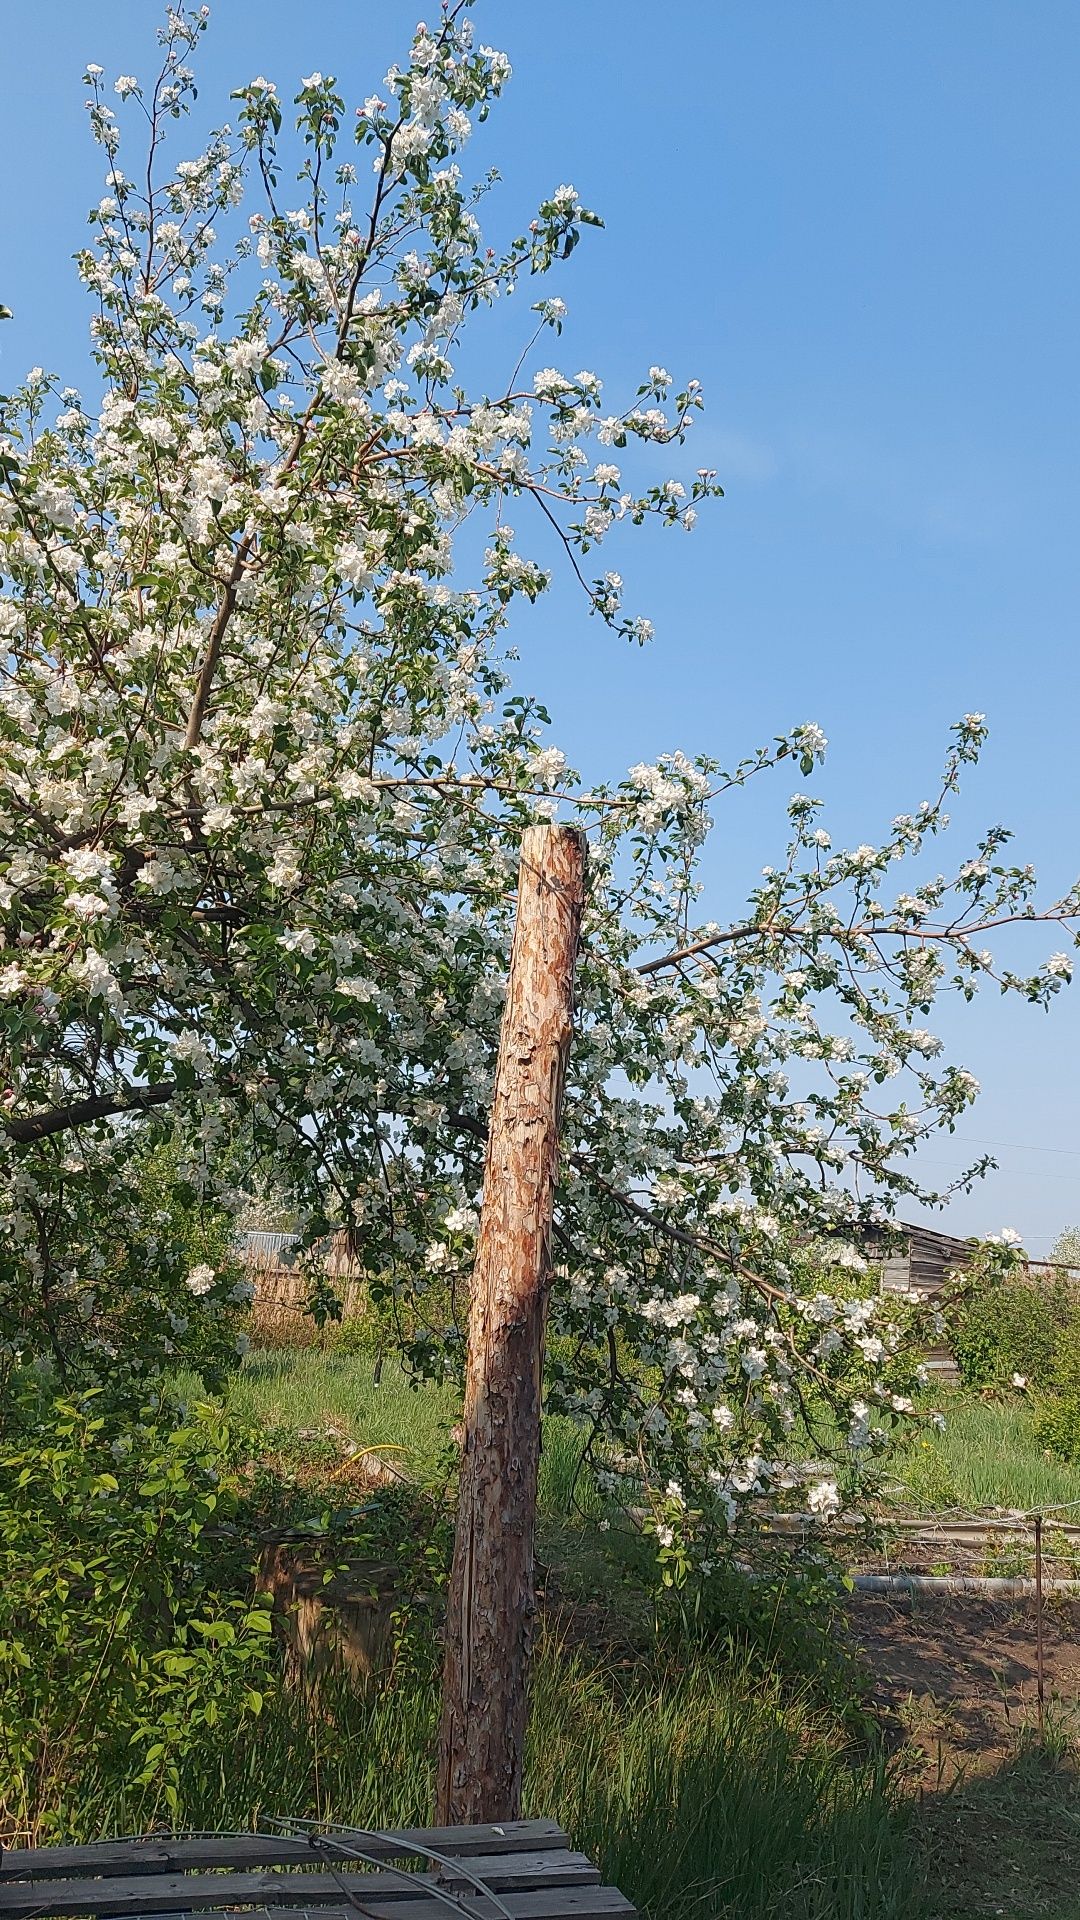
{"x":552,"y":1903}
{"x":181,"y":1892}
{"x":157,"y":1853}
{"x":896,"y":1273}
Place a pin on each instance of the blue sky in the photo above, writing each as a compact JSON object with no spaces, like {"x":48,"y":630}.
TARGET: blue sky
{"x":854,"y":224}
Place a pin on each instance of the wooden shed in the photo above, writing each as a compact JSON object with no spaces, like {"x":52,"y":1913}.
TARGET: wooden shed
{"x":924,"y":1262}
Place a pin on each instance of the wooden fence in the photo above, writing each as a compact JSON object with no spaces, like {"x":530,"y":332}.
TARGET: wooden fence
{"x":282,"y":1282}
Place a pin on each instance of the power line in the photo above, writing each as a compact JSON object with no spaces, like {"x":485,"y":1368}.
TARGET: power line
{"x":1015,"y":1173}
{"x":1014,"y":1146}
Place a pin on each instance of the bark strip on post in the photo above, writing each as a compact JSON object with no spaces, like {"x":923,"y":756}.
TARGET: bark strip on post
{"x":491,"y":1604}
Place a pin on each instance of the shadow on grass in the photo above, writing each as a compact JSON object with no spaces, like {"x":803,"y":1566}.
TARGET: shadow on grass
{"x":703,"y":1793}
{"x":1006,"y":1842}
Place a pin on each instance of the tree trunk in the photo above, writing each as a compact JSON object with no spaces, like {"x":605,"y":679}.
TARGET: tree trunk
{"x":491,"y":1604}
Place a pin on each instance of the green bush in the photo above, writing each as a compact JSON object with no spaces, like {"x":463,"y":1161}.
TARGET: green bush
{"x":1057,"y":1417}
{"x":140,"y":1276}
{"x":785,"y":1623}
{"x":1000,"y":1326}
{"x":360,"y":1336}
{"x":122,"y":1643}
{"x":1057,"y":1424}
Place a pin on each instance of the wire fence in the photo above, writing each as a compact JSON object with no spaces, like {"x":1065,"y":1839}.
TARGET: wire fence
{"x":1022,"y":1556}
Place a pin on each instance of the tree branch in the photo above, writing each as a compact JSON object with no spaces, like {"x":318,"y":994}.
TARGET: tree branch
{"x":80,"y":1113}
{"x":702,"y":946}
{"x":214,"y":643}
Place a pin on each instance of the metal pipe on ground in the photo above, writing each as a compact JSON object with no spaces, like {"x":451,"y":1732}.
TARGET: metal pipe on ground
{"x":992,"y":1586}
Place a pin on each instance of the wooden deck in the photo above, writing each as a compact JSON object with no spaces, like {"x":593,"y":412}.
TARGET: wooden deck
{"x":524,"y":1870}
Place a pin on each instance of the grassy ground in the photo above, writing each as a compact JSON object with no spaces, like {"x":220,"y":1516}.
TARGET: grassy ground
{"x":308,"y":1399}
{"x":702,"y":1791}
{"x":987,"y":1456}
{"x":704,"y":1787}
{"x":289,"y":1392}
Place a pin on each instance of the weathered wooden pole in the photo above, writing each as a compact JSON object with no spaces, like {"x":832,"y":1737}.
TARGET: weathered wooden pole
{"x":491,"y":1604}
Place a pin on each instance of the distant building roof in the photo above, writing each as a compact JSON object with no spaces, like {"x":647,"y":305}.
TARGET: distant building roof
{"x":268,"y":1247}
{"x":925,"y":1261}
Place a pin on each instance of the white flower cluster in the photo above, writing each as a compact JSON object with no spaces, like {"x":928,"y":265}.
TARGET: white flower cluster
{"x":263,"y":778}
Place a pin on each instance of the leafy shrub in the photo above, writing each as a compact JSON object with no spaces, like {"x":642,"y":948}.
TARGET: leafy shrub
{"x":927,"y":1476}
{"x":1057,"y":1416}
{"x":135,"y":1273}
{"x":780,"y":1617}
{"x":999,"y":1326}
{"x":1057,"y":1424}
{"x":119,"y":1644}
{"x":361,"y":1336}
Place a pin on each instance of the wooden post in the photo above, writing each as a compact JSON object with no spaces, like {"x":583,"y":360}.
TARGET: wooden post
{"x":491,"y":1604}
{"x":1040,"y":1675}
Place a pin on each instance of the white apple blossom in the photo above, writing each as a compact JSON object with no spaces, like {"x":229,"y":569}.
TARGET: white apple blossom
{"x":824,"y":1499}
{"x":266,"y":756}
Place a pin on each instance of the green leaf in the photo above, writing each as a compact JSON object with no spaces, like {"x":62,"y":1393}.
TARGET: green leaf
{"x":222,"y":1631}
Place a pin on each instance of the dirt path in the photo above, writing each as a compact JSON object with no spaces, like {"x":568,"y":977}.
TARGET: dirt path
{"x":957,"y":1674}
{"x":997,"y":1818}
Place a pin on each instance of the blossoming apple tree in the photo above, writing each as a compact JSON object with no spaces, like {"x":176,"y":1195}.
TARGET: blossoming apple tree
{"x":265,"y":772}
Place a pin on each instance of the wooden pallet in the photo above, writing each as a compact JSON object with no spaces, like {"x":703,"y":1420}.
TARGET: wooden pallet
{"x":525,"y":1870}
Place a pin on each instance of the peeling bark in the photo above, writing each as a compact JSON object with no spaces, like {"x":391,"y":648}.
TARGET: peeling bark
{"x":491,"y":1606}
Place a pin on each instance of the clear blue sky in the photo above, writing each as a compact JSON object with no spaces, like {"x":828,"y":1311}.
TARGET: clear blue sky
{"x":856,"y":224}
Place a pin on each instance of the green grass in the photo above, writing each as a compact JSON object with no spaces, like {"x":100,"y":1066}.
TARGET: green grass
{"x":310,"y":1391}
{"x":987,"y":1456}
{"x":711,"y":1792}
{"x":702,"y":1791}
{"x":307,"y":1390}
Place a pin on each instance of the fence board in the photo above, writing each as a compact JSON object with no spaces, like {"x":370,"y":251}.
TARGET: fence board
{"x":550,"y":1903}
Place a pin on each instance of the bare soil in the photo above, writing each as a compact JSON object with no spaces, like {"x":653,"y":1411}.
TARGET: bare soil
{"x":997,"y":1814}
{"x":958,"y":1674}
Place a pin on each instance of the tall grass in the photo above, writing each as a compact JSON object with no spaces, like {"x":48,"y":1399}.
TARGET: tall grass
{"x":702,"y":1792}
{"x":986,"y":1456}
{"x":708,"y":1793}
{"x":290,"y":1393}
